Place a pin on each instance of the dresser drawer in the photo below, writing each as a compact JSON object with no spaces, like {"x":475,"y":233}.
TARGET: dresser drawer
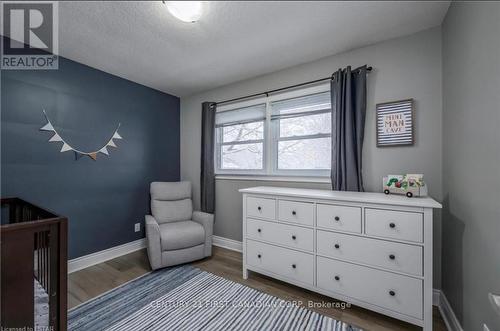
{"x":390,"y":255}
{"x":281,"y":261}
{"x":340,"y":218}
{"x":261,"y":207}
{"x":296,"y":212}
{"x":395,"y":292}
{"x":278,"y":233}
{"x":394,"y":224}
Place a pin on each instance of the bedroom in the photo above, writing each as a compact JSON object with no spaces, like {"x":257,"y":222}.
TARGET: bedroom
{"x":241,"y":151}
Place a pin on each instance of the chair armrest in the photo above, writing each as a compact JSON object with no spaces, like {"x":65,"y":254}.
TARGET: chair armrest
{"x":207,"y":221}
{"x":204,"y":219}
{"x":153,"y":240}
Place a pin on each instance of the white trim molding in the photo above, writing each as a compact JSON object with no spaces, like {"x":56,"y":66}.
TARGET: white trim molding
{"x":105,"y":255}
{"x":271,"y":178}
{"x":227,"y":243}
{"x":89,"y":260}
{"x":449,"y":317}
{"x":436,"y":296}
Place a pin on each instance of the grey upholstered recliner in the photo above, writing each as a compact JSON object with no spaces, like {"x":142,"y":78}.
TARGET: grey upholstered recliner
{"x":175,"y":234}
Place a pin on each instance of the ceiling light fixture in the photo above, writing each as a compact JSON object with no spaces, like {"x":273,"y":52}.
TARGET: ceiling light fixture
{"x":186,"y":11}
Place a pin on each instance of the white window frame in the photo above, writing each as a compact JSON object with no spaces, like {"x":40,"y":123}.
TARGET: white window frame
{"x":219,"y":144}
{"x":271,"y":138}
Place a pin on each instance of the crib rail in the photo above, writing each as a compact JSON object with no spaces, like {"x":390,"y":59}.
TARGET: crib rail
{"x":42,"y":259}
{"x":33,"y":246}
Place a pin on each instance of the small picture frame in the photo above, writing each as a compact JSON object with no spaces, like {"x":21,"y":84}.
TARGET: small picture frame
{"x":395,"y":123}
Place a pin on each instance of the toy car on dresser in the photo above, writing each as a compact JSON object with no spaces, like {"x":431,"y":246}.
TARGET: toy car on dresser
{"x":411,"y":185}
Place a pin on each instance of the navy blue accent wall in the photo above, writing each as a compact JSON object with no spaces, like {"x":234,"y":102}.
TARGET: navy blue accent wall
{"x":102,"y":199}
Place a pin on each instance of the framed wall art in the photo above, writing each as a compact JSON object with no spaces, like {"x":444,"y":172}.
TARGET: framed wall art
{"x":395,"y":123}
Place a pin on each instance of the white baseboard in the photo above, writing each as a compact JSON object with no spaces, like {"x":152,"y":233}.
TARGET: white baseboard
{"x":105,"y":255}
{"x":449,"y":317}
{"x":113,"y":252}
{"x":227,"y":243}
{"x":436,"y":297}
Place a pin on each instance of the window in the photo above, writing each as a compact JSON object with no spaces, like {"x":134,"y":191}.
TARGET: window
{"x":303,"y":133}
{"x":287,"y":134}
{"x":240,"y":138}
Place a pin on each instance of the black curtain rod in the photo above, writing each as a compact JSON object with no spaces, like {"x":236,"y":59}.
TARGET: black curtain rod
{"x":283,"y":88}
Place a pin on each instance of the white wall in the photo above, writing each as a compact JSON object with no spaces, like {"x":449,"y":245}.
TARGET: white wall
{"x":408,"y":67}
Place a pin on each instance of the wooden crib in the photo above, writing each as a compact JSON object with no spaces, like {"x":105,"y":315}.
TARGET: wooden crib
{"x":33,"y":267}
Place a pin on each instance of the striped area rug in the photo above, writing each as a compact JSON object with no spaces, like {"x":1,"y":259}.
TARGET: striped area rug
{"x":186,"y":298}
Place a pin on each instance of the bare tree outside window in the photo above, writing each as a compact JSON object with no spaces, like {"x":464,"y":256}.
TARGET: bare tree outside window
{"x":307,"y":144}
{"x":247,"y":150}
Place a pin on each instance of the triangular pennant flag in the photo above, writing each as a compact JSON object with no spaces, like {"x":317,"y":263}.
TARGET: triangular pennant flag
{"x":117,"y":136}
{"x":93,"y":156}
{"x":111,"y":143}
{"x":55,"y":137}
{"x":47,"y":127}
{"x":104,"y":150}
{"x":78,"y":155}
{"x":65,"y":148}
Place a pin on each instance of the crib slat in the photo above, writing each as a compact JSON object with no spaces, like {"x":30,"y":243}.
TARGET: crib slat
{"x":38,"y":260}
{"x":46,"y":253}
{"x":44,"y":271}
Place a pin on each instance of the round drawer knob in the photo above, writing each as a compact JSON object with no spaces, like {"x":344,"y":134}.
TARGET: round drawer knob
{"x":337,"y":246}
{"x":392,"y":225}
{"x":294,"y":266}
{"x":259,"y":230}
{"x":294,"y":237}
{"x":259,"y":256}
{"x":392,"y":256}
{"x":392,"y":293}
{"x":259,"y":208}
{"x":294,"y":212}
{"x":337,"y":218}
{"x":337,"y":278}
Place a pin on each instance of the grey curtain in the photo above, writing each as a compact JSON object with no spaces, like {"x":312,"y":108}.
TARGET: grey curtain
{"x":348,"y":93}
{"x":207,"y":178}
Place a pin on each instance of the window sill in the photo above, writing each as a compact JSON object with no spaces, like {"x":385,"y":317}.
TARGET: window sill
{"x":293,"y":179}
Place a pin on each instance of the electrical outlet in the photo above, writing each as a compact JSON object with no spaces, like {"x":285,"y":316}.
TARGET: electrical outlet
{"x":137,"y":227}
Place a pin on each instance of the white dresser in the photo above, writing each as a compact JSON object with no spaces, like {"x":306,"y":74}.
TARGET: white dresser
{"x":370,"y":249}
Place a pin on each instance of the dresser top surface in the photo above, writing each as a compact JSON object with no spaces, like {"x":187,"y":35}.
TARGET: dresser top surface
{"x":366,"y":197}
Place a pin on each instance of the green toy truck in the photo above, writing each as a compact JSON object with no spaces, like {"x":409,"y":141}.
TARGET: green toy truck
{"x":411,"y":185}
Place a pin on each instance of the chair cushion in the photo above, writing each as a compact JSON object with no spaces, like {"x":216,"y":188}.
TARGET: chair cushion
{"x":170,"y":190}
{"x":178,"y":235}
{"x":171,"y":201}
{"x":172,"y":211}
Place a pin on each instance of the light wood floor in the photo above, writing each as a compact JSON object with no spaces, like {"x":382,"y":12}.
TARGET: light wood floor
{"x":88,"y":283}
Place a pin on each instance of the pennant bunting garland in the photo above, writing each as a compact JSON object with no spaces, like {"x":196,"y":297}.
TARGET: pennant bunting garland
{"x":78,"y":154}
{"x":47,"y":127}
{"x":111,"y":143}
{"x":104,"y":150}
{"x":66,"y":147}
{"x":55,"y":137}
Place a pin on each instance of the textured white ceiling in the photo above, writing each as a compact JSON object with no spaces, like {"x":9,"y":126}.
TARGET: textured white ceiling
{"x":142,"y":42}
